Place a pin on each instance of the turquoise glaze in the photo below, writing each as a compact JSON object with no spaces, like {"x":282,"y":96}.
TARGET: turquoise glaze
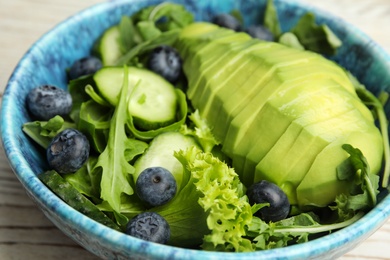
{"x":45,"y":63}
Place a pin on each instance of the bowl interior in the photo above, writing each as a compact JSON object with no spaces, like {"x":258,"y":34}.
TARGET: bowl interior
{"x":46,"y":61}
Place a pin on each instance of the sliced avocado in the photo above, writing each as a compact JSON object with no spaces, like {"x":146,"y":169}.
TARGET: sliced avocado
{"x":323,"y":172}
{"x":298,"y":147}
{"x":268,"y":136}
{"x":161,"y":153}
{"x":216,"y":93}
{"x":264,"y":139}
{"x":282,"y":120}
{"x":302,"y":72}
{"x":196,"y":81}
{"x":213,"y":68}
{"x":251,"y":96}
{"x":196,"y":36}
{"x":196,"y":30}
{"x":249,"y":117}
{"x":301,"y":104}
{"x":208,"y":51}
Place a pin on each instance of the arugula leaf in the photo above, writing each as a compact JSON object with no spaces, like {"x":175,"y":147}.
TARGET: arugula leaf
{"x":295,"y":229}
{"x":291,"y":40}
{"x":115,"y":168}
{"x":42,"y":132}
{"x":148,"y":30}
{"x":128,"y":34}
{"x":76,"y":89}
{"x":271,"y":19}
{"x":94,"y":122}
{"x":317,"y":38}
{"x":150,"y":27}
{"x":362,"y":195}
{"x":166,"y":16}
{"x":95,"y":96}
{"x":85,"y":180}
{"x":371,"y":100}
{"x":165,"y":38}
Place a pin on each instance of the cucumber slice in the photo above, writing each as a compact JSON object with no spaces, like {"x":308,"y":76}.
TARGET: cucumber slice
{"x":108,"y":46}
{"x":161,"y":153}
{"x":75,"y":199}
{"x":153,"y":100}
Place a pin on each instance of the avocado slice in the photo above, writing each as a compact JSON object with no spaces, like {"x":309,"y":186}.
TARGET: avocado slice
{"x":278,"y":112}
{"x":301,"y":104}
{"x":220,"y":68}
{"x":310,"y":69}
{"x":206,"y":51}
{"x":323,"y":172}
{"x":305,"y":110}
{"x":299,"y":147}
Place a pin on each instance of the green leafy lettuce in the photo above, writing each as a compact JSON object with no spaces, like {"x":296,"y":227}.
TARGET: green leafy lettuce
{"x":42,"y":132}
{"x":292,"y":230}
{"x":113,"y":162}
{"x":201,"y":131}
{"x":211,"y":209}
{"x":150,"y":27}
{"x":306,"y":34}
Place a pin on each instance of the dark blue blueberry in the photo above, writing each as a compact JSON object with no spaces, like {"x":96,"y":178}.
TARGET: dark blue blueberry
{"x":227,"y":21}
{"x":68,"y":151}
{"x":155,"y":186}
{"x":263,"y":192}
{"x":84,"y":66}
{"x":166,"y":61}
{"x":260,"y":32}
{"x":149,"y":226}
{"x":47,"y":101}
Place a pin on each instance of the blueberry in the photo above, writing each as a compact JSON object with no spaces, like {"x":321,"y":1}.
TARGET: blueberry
{"x":47,"y":101}
{"x":155,"y":186}
{"x":227,"y":21}
{"x":84,"y":66}
{"x":166,"y":61}
{"x":263,"y":192}
{"x":68,"y":151}
{"x":260,"y":32}
{"x":149,"y":226}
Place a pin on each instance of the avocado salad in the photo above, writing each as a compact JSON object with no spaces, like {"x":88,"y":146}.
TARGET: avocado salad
{"x":212,"y":135}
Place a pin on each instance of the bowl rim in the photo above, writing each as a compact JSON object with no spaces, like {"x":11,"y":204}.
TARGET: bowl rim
{"x":369,"y":222}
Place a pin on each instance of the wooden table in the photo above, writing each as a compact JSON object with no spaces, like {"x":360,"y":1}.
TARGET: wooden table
{"x":25,"y":233}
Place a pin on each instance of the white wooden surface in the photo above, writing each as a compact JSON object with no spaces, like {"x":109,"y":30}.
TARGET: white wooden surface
{"x":24,"y":231}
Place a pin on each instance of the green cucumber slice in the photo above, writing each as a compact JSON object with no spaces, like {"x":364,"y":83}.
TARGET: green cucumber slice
{"x":153,"y":100}
{"x":108,"y":47}
{"x":161,"y":153}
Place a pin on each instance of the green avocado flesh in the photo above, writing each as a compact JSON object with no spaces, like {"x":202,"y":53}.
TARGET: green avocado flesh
{"x":281,"y":114}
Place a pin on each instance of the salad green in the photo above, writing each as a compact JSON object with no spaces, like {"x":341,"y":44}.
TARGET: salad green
{"x":213,"y":163}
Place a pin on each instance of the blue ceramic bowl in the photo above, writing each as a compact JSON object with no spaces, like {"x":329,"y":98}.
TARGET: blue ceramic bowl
{"x":45,"y":63}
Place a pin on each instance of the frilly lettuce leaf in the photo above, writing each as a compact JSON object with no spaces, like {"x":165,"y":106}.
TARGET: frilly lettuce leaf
{"x":212,"y":205}
{"x":201,"y":131}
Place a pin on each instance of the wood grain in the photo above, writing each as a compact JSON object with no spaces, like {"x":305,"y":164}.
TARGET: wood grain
{"x":25,"y":233}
